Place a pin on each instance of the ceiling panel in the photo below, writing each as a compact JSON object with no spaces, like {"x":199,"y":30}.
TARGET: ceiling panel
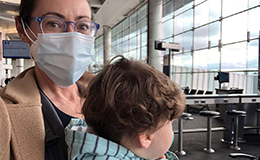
{"x":114,"y":11}
{"x":8,"y":10}
{"x":105,"y":12}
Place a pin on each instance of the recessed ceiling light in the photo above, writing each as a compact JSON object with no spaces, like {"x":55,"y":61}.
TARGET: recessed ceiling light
{"x":11,"y":12}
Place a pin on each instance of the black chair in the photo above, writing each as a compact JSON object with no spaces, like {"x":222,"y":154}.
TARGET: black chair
{"x":193,"y":92}
{"x":200,"y":92}
{"x":208,"y":92}
{"x":186,"y":90}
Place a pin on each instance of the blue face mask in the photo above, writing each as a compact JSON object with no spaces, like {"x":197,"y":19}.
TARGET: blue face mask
{"x":64,"y":57}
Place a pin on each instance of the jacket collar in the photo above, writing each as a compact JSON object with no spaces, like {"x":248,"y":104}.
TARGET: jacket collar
{"x":23,"y":88}
{"x":26,"y":117}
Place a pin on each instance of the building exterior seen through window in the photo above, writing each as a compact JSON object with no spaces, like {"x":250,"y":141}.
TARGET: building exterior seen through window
{"x":213,"y":35}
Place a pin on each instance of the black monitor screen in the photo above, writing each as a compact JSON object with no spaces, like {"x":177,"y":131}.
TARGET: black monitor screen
{"x":223,"y":77}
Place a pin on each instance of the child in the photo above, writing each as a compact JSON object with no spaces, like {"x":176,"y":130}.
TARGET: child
{"x":129,"y":110}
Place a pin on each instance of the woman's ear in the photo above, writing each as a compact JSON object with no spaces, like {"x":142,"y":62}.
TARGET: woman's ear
{"x":145,"y":139}
{"x":20,"y":30}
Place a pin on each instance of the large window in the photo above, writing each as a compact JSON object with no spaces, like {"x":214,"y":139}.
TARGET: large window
{"x":98,"y":63}
{"x":129,"y":37}
{"x":214,"y":36}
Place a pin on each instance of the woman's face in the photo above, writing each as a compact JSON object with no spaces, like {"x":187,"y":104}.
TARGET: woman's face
{"x":69,"y":10}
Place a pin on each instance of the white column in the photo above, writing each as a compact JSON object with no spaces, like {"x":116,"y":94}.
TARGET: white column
{"x":19,"y":66}
{"x":154,"y":33}
{"x":107,"y":43}
{"x":8,"y":62}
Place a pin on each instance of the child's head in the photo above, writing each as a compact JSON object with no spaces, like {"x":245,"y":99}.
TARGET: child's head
{"x":128,"y":101}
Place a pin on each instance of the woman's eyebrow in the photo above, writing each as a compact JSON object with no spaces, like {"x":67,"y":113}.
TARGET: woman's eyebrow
{"x":55,"y":13}
{"x":80,"y":17}
{"x":63,"y":17}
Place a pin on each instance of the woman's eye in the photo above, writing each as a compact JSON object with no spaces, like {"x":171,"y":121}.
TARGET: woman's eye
{"x":83,"y":26}
{"x":53,"y":24}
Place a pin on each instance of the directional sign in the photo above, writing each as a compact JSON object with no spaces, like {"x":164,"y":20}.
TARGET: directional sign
{"x":15,"y":49}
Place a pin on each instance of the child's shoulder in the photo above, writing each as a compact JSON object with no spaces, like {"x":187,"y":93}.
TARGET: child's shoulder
{"x":76,"y":123}
{"x":171,"y":156}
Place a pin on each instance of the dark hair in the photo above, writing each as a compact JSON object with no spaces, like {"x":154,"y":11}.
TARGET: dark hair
{"x":130,"y":97}
{"x":26,"y":9}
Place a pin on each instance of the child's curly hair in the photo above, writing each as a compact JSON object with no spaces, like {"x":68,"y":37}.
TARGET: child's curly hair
{"x":130,"y":97}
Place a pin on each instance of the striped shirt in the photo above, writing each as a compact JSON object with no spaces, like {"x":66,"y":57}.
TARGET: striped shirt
{"x":86,"y":146}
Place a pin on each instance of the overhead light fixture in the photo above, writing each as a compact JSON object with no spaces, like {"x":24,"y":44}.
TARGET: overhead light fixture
{"x":11,"y":12}
{"x":7,"y":19}
{"x":10,"y":31}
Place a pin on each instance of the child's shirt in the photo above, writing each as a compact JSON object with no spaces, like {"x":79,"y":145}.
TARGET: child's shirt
{"x":87,"y":146}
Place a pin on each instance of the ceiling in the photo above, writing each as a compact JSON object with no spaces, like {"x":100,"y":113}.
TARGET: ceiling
{"x":8,"y":9}
{"x":105,"y":12}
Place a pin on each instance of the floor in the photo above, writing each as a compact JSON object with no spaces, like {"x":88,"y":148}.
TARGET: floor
{"x":194,"y":143}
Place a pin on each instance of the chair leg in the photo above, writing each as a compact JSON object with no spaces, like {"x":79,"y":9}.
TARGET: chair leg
{"x":235,"y":141}
{"x":258,"y":123}
{"x":180,"y":150}
{"x":209,"y":126}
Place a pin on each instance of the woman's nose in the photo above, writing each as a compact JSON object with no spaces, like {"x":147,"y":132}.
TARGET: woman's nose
{"x":70,"y":28}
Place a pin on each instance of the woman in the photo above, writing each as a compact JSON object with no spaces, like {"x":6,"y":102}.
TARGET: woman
{"x":37,"y":105}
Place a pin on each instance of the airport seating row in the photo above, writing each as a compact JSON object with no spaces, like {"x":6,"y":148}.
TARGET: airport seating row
{"x":189,"y":91}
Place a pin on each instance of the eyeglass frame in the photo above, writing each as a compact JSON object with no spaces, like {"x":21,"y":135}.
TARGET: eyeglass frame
{"x":74,"y":24}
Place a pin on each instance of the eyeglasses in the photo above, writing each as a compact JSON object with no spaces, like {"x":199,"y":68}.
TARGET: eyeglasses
{"x":51,"y":24}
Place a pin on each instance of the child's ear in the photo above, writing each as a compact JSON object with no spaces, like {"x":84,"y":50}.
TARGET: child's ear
{"x":145,"y":139}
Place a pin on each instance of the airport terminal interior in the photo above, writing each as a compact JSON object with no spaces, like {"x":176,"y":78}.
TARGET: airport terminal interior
{"x":211,"y":48}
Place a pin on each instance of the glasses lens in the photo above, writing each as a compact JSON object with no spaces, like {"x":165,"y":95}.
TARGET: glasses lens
{"x":86,"y":27}
{"x":53,"y":25}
